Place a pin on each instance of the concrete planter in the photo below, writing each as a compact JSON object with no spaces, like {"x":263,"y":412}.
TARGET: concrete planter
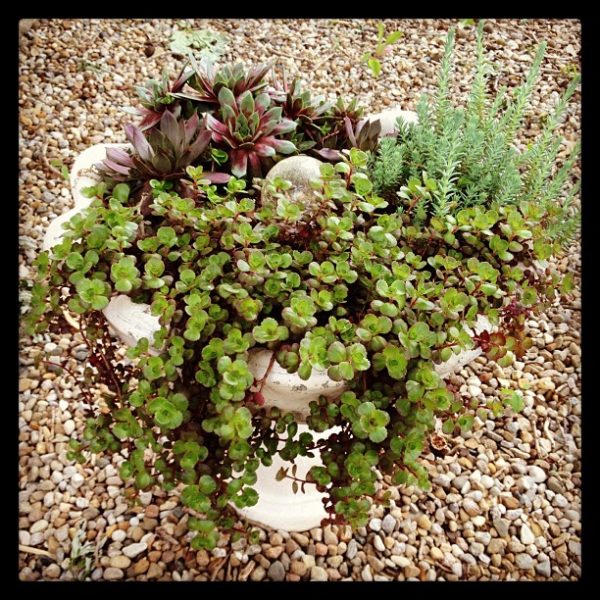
{"x":81,"y":177}
{"x":278,"y":506}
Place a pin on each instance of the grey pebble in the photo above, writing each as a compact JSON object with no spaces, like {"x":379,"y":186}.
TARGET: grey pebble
{"x":276,"y":571}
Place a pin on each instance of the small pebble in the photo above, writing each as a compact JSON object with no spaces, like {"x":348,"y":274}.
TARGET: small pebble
{"x":133,"y":550}
{"x":276,"y":571}
{"x":318,"y":574}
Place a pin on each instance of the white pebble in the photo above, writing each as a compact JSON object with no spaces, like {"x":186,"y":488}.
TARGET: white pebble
{"x":560,"y":501}
{"x":62,"y":533}
{"x":378,"y":544}
{"x":471,"y":507}
{"x":352,"y":549}
{"x":113,"y":491}
{"x":39,"y":526}
{"x":527,"y":536}
{"x":474,"y":391}
{"x":537,"y":474}
{"x":134,"y":549}
{"x":69,"y":471}
{"x":524,"y":561}
{"x":525,"y":483}
{"x":145,"y":498}
{"x":375,"y":524}
{"x":77,"y":480}
{"x":543,"y":568}
{"x":388,"y":524}
{"x":24,"y":537}
{"x":82,"y":502}
{"x":487,"y":482}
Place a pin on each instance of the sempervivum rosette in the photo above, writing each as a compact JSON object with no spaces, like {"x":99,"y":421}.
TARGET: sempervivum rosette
{"x":165,"y":152}
{"x":250,"y":127}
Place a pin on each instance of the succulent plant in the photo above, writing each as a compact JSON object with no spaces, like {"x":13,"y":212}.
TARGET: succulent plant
{"x":341,"y":111}
{"x":377,"y":293}
{"x":342,"y":121}
{"x":364,"y":135}
{"x":309,"y":113}
{"x":165,"y":152}
{"x":249,"y":127}
{"x":206,"y":81}
{"x":157,"y":95}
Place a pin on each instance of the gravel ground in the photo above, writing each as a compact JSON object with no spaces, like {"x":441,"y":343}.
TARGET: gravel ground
{"x":505,"y":503}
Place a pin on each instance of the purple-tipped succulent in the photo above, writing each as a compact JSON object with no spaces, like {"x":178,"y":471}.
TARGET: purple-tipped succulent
{"x":344,"y":127}
{"x":364,"y":135}
{"x":156,"y":96}
{"x":249,"y":126}
{"x":206,"y":81}
{"x":300,"y":106}
{"x":164,"y":153}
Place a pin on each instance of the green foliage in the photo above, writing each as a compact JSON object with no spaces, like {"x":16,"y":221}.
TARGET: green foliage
{"x":469,"y":156}
{"x":376,"y":284}
{"x":61,"y":167}
{"x":383,"y":47}
{"x":199,"y":42}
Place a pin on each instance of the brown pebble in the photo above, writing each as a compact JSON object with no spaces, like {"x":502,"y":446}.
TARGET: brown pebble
{"x":53,"y":544}
{"x":274,"y":552}
{"x":510,"y":502}
{"x":321,"y":549}
{"x":120,"y":562}
{"x":562,"y":558}
{"x":411,"y":571}
{"x":345,"y":533}
{"x":154,"y":571}
{"x":149,"y":524}
{"x":424,"y":522}
{"x":298,"y":567}
{"x":141,"y":566}
{"x":136,"y":534}
{"x":202,"y":558}
{"x":301,"y":538}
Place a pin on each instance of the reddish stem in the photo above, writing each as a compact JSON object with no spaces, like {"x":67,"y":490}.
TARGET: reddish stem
{"x":446,"y":345}
{"x":302,"y":481}
{"x":412,"y":204}
{"x":261,"y":382}
{"x":106,"y":363}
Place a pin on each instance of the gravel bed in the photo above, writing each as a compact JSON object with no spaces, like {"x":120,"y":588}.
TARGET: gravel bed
{"x":505,"y":502}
